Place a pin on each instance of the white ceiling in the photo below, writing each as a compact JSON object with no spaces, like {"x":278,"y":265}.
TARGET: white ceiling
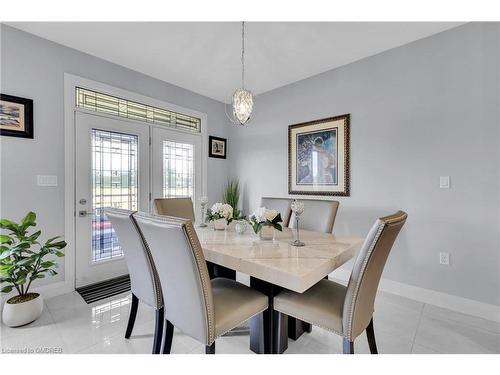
{"x":204,"y":57}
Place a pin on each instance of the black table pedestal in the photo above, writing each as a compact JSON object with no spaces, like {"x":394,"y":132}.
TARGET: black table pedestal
{"x":269,"y":330}
{"x":297,"y":327}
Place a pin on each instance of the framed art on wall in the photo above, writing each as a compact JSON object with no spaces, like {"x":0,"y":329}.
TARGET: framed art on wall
{"x":217,"y":147}
{"x":318,"y":157}
{"x":16,"y":116}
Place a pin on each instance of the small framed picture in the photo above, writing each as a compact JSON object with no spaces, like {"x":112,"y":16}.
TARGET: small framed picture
{"x":318,"y":157}
{"x":217,"y":147}
{"x":16,"y":116}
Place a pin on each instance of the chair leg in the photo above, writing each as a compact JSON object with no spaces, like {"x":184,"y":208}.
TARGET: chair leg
{"x":158,"y":331}
{"x":348,"y":346}
{"x":132,"y":315}
{"x":210,"y":349}
{"x":168,"y":337}
{"x":370,"y":334}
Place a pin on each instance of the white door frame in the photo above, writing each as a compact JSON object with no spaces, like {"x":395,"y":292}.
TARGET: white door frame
{"x":70,"y":82}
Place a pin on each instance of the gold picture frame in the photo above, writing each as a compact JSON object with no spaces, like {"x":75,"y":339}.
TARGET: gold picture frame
{"x":318,"y":157}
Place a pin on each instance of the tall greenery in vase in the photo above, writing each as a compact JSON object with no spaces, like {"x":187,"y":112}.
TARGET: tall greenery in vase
{"x":231,"y":196}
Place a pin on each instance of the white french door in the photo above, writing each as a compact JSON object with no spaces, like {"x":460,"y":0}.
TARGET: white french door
{"x":112,"y":170}
{"x":117,"y":166}
{"x":176,"y":165}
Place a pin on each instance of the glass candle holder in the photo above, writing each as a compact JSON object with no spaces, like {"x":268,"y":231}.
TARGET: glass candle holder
{"x":203,"y":203}
{"x":297,"y":208}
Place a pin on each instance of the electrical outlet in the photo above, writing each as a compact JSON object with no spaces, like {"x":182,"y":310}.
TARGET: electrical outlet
{"x":444,"y":258}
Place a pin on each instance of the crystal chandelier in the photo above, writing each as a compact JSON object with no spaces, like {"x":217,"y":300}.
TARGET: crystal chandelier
{"x":242,"y":99}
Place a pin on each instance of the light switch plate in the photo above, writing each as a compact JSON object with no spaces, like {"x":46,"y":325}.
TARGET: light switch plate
{"x":43,"y":180}
{"x":444,"y":182}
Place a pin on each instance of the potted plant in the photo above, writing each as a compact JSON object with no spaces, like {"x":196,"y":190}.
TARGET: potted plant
{"x":221,"y":214}
{"x":231,"y":196}
{"x":264,"y":222}
{"x":22,"y":261}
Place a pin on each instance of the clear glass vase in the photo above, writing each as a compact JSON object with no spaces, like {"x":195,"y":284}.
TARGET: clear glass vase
{"x":240,"y":227}
{"x":267,"y":233}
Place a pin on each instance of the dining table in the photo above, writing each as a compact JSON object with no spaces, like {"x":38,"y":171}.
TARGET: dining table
{"x":274,"y":265}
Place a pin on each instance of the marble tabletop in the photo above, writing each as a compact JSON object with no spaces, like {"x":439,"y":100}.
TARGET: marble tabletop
{"x":278,"y":262}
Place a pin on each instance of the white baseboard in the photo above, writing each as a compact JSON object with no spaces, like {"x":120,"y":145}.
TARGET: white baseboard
{"x":432,"y":297}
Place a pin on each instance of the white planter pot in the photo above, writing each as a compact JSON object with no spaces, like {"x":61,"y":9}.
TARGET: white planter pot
{"x":19,"y":314}
{"x":220,"y":224}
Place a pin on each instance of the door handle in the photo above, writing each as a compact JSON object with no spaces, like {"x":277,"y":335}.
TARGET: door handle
{"x":82,"y":213}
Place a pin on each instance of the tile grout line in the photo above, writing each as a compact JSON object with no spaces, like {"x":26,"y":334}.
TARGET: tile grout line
{"x":54,"y":324}
{"x":418,"y":327}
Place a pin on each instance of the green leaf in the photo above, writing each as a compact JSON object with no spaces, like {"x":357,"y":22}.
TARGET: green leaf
{"x":48,"y":264}
{"x":7,"y":224}
{"x":7,"y":289}
{"x":57,"y":245}
{"x":22,"y":246}
{"x":6,"y":239}
{"x":278,"y":227}
{"x":6,"y":254}
{"x":50,"y":240}
{"x":34,"y":236}
{"x":26,"y":261}
{"x":5,"y":268}
{"x":277,"y":219}
{"x":59,"y":253}
{"x":28,"y":220}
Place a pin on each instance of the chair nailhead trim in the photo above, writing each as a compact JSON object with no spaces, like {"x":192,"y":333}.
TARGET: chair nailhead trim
{"x":358,"y":284}
{"x":310,"y":322}
{"x":246,"y":320}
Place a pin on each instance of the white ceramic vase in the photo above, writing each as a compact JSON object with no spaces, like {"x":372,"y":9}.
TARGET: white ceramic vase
{"x":19,"y":314}
{"x":220,"y":224}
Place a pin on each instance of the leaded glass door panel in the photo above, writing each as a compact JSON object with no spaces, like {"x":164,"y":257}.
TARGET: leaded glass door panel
{"x":112,"y":170}
{"x":176,"y":165}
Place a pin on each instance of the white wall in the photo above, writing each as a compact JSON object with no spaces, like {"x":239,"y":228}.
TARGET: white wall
{"x":420,"y":111}
{"x":34,"y":68}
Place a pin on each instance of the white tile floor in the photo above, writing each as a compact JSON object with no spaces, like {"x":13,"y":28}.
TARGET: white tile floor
{"x":401,"y":326}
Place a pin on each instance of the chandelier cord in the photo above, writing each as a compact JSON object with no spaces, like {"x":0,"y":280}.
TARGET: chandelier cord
{"x":243,"y":54}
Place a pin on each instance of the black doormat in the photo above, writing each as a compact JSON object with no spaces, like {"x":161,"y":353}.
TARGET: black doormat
{"x":108,"y":288}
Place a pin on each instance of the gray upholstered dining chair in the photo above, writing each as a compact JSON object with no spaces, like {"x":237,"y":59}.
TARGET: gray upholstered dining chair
{"x":318,"y":215}
{"x":201,"y":308}
{"x":348,"y":311}
{"x":178,"y":207}
{"x":144,"y":281}
{"x":282,"y":205}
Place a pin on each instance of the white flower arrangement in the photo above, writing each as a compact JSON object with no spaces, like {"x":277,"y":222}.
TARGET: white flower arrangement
{"x":220,"y":211}
{"x":265,"y":217}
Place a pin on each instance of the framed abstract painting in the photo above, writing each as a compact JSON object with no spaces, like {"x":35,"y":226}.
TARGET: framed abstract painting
{"x":16,"y":116}
{"x":318,"y":157}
